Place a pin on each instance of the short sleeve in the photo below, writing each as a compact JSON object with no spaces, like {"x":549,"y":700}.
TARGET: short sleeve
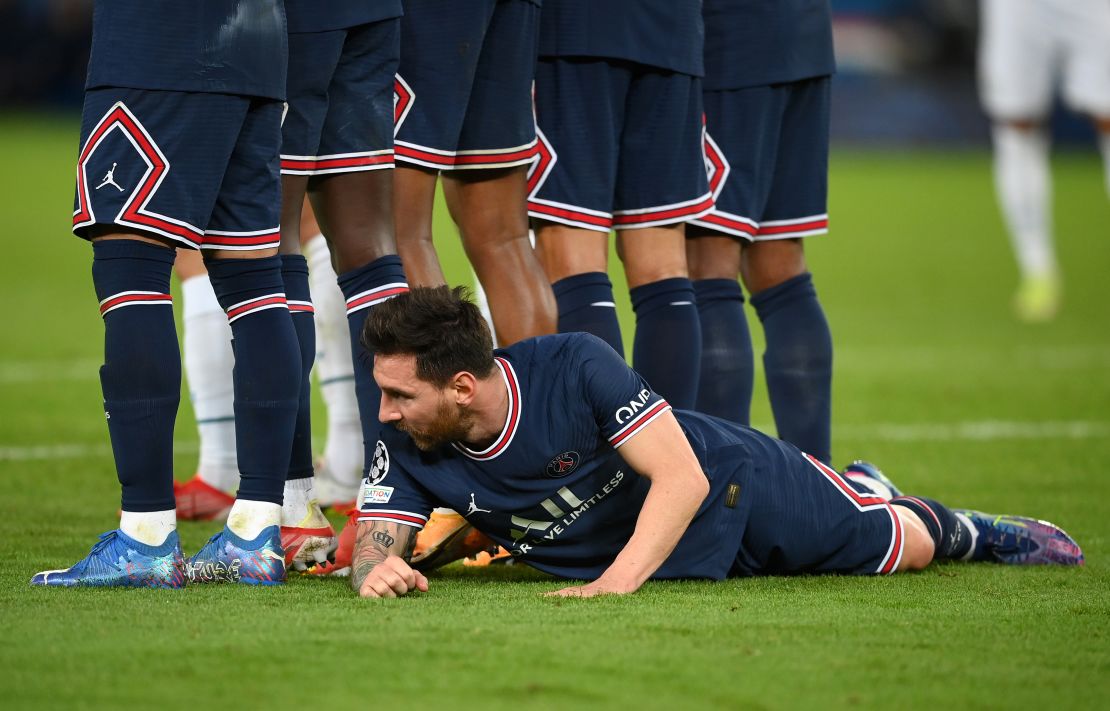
{"x":389,"y":493}
{"x":622,"y":401}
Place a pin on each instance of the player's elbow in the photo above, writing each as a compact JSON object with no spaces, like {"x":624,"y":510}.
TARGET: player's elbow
{"x":697,"y":486}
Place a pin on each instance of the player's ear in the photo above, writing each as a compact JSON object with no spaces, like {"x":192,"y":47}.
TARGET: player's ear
{"x":464,"y":385}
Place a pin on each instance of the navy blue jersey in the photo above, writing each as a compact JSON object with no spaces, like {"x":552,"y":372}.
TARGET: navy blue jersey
{"x":325,"y":15}
{"x":553,"y":488}
{"x":761,"y":42}
{"x":659,"y":33}
{"x":206,"y":46}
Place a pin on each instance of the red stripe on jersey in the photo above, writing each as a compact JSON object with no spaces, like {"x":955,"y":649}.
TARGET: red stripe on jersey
{"x":375,"y":297}
{"x":716,"y":218}
{"x":232,"y":240}
{"x":798,"y":227}
{"x":672,"y":213}
{"x":512,"y":419}
{"x":245,"y":308}
{"x":598,"y":220}
{"x":891,"y":563}
{"x":639,"y":423}
{"x":316,"y":164}
{"x":114,"y":301}
{"x":413,"y":520}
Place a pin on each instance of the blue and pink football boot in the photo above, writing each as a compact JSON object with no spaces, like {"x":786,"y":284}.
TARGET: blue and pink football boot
{"x":117,"y":560}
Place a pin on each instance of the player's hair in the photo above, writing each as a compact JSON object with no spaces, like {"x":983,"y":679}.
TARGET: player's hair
{"x":438,"y":325}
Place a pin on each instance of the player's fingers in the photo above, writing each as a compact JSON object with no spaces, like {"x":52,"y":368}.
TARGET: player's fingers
{"x":421,"y":582}
{"x":391,"y":579}
{"x":382,"y":588}
{"x":402,"y":569}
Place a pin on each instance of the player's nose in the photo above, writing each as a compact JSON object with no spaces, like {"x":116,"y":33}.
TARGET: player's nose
{"x":387,"y":413}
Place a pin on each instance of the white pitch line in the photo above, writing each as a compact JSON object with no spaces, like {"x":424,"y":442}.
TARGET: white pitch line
{"x":975,"y":431}
{"x":42,"y":452}
{"x":17,"y":372}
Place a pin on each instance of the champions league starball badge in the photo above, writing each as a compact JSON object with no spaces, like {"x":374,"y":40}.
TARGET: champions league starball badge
{"x":379,"y":465}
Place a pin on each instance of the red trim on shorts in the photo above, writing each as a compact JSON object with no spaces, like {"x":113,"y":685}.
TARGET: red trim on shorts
{"x":540,"y":210}
{"x":676,"y":214}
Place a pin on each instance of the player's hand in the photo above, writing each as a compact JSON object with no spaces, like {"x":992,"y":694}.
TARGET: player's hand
{"x":392,"y":578}
{"x":597,"y":587}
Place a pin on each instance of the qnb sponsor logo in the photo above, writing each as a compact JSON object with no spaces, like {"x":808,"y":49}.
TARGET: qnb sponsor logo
{"x":627,"y":412}
{"x":528,"y":532}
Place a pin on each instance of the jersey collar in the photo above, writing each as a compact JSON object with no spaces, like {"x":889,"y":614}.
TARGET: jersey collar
{"x":512,"y":419}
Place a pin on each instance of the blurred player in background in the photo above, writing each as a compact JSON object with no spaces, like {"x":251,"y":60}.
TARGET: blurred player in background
{"x":618,"y":106}
{"x":180,"y":139}
{"x":767,"y":74}
{"x":565,"y":456}
{"x":1027,"y":49}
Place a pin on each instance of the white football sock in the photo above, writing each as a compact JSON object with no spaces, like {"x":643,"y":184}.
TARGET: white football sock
{"x":298,"y":492}
{"x":1024,"y":186}
{"x":334,"y":369}
{"x":249,"y":518}
{"x":1104,"y":148}
{"x":208,"y":362}
{"x":149,"y":527}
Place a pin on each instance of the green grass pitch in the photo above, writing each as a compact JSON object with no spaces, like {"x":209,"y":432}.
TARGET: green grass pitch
{"x":934,"y":381}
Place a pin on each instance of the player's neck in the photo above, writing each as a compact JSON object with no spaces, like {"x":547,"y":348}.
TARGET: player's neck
{"x":490,"y":410}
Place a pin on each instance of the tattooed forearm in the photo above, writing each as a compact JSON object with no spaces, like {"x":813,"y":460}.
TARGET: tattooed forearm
{"x":374,"y":542}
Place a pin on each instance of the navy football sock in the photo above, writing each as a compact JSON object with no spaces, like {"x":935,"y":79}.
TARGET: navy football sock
{"x":667,"y":347}
{"x":727,"y":367}
{"x":364,"y":287}
{"x":267,"y":374}
{"x":294,"y":273}
{"x":586,"y":304}
{"x":798,"y":363}
{"x":950,"y":536}
{"x":141,"y":375}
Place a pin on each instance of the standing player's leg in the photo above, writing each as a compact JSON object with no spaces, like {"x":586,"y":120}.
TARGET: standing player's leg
{"x":354,"y":207}
{"x":662,"y":126}
{"x":208,"y":361}
{"x":768,"y":152}
{"x":339,"y":469}
{"x":579,"y":115}
{"x":490,"y":209}
{"x":727,"y":367}
{"x":487,"y":188}
{"x":414,"y":191}
{"x":247,"y":277}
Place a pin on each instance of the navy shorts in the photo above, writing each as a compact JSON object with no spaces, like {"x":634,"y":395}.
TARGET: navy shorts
{"x":620,"y":146}
{"x":806,"y":518}
{"x":767,"y":154}
{"x":340,"y":89}
{"x":464,"y":88}
{"x":200,"y":169}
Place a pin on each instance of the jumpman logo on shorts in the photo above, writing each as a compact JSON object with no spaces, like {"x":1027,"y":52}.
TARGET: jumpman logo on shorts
{"x":474,"y":507}
{"x":109,"y":179}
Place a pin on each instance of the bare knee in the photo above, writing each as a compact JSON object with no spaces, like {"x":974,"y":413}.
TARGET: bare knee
{"x":917,"y":545}
{"x":769,"y":263}
{"x":565,"y":251}
{"x":711,"y":255}
{"x":652,"y":254}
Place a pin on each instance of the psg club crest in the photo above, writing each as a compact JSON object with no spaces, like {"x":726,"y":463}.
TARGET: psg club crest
{"x":379,"y":466}
{"x":563,"y":464}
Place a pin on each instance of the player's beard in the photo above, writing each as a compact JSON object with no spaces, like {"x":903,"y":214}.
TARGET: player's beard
{"x":450,"y":424}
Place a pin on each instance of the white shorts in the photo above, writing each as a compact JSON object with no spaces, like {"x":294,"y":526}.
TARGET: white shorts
{"x":1027,"y":47}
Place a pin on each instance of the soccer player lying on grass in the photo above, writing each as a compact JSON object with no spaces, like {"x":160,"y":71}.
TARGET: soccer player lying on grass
{"x":564,"y":455}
